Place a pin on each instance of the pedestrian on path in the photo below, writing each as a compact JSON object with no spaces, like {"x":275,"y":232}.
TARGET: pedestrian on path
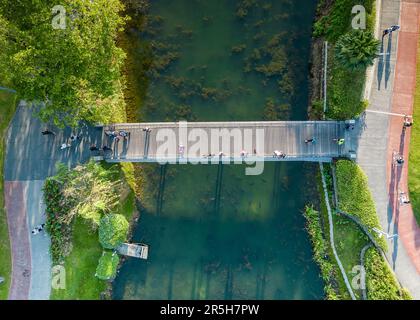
{"x":38,"y":229}
{"x":123,"y":134}
{"x":385,"y":32}
{"x":74,"y":137}
{"x":65,"y":146}
{"x":407,"y":122}
{"x":111,"y":134}
{"x":47,"y":132}
{"x":398,"y":158}
{"x":349,"y":126}
{"x":339,"y":141}
{"x":404,"y":198}
{"x":181,"y":150}
{"x":93,"y":147}
{"x":395,"y":28}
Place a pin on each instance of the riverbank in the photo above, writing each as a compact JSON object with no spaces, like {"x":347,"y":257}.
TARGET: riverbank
{"x":8,"y":107}
{"x":76,"y":243}
{"x":345,"y":101}
{"x":227,"y":68}
{"x":344,"y":86}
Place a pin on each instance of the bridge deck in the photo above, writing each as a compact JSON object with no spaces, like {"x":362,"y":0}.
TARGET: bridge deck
{"x":285,"y":136}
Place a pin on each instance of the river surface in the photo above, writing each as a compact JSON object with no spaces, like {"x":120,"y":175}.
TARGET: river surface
{"x":213,"y":232}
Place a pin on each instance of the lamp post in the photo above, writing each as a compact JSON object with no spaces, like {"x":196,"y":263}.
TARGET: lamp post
{"x":382,"y":233}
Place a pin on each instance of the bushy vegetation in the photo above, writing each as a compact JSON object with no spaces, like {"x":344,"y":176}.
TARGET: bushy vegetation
{"x":356,"y":199}
{"x":354,"y":195}
{"x":7,"y":107}
{"x":107,"y":266}
{"x":321,"y":249}
{"x":88,"y":191}
{"x":113,"y":230}
{"x":337,"y":20}
{"x":380,"y":282}
{"x":84,"y":249}
{"x":75,"y":71}
{"x":356,"y":49}
{"x":346,"y":80}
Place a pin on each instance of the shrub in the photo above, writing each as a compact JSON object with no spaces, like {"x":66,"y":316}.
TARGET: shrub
{"x":60,"y":232}
{"x":107,"y":266}
{"x":354,"y":195}
{"x":380,"y":282}
{"x":320,"y":248}
{"x":113,"y":230}
{"x":356,"y":50}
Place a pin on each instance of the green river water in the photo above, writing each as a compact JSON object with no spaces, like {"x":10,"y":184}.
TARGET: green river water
{"x":213,"y":232}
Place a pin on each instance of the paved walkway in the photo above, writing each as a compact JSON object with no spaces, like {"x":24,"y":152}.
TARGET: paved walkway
{"x":30,"y":159}
{"x":258,"y":138}
{"x":380,"y":132}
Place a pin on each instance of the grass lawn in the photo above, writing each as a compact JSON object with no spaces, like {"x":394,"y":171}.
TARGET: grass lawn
{"x":81,"y":264}
{"x":349,"y":242}
{"x":414,"y":160}
{"x":7,"y":107}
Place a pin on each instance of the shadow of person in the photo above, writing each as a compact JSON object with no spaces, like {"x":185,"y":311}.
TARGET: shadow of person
{"x":395,"y":240}
{"x":380,"y":71}
{"x":391,"y":193}
{"x":388,"y":61}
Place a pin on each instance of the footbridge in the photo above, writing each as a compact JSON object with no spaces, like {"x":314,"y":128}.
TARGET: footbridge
{"x":253,"y":141}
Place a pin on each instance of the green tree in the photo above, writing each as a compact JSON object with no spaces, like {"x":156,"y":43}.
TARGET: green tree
{"x":113,"y":230}
{"x":88,"y":191}
{"x":107,"y":266}
{"x":357,"y":49}
{"x":74,"y":71}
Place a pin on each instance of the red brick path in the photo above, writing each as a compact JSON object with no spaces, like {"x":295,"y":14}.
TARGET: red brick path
{"x":15,"y":195}
{"x":402,"y":102}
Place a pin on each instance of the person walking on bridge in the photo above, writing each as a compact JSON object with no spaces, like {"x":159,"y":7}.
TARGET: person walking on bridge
{"x":339,"y":141}
{"x":47,"y":132}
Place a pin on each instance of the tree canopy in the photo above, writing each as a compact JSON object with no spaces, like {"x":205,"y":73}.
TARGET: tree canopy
{"x":113,"y":230}
{"x":107,"y":266}
{"x":357,"y":49}
{"x":75,"y":71}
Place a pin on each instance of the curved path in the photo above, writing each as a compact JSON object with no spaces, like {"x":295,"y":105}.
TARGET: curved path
{"x":392,"y":88}
{"x":30,"y":159}
{"x":331,"y":229}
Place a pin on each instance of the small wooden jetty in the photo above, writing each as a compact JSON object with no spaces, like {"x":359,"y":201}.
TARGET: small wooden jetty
{"x":136,"y":250}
